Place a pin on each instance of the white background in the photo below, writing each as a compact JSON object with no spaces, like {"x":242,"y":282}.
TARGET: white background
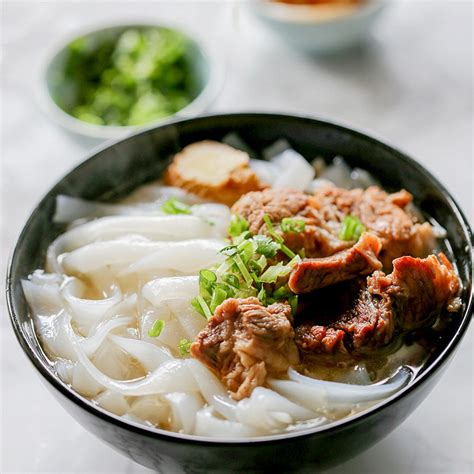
{"x":412,"y":87}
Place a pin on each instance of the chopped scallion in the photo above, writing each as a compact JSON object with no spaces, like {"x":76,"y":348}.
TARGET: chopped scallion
{"x":232,"y":280}
{"x":218,"y":297}
{"x":237,"y":225}
{"x":156,"y":329}
{"x":274,"y":272}
{"x":184,"y":346}
{"x":174,"y":206}
{"x":292,"y":225}
{"x":352,"y":228}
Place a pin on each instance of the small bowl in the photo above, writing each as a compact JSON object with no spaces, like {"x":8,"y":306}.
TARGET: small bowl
{"x":116,"y":169}
{"x":318,"y":29}
{"x":205,"y":70}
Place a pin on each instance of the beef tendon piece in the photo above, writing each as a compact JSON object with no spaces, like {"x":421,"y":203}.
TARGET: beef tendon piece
{"x":387,"y":215}
{"x":244,"y":341}
{"x":363,"y":315}
{"x":319,"y":239}
{"x":214,"y":171}
{"x":313,"y":273}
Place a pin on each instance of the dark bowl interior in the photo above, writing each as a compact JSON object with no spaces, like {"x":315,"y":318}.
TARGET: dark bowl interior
{"x":116,"y":169}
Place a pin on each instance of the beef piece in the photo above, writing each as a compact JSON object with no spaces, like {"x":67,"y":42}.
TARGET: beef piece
{"x":418,"y":289}
{"x":346,"y":318}
{"x":244,"y":341}
{"x":314,"y":273}
{"x":382,"y":213}
{"x":318,"y":239}
{"x":363,"y":315}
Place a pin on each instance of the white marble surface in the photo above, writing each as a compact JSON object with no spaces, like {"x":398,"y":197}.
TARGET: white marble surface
{"x":412,"y":87}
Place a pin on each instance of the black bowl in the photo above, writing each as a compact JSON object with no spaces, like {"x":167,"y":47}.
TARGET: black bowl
{"x":118,"y":168}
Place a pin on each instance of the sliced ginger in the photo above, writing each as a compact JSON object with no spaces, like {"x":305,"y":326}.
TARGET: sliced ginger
{"x":214,"y":171}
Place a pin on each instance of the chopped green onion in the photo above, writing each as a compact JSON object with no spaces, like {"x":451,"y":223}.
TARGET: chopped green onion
{"x":207,"y":279}
{"x":302,"y":253}
{"x":258,"y":265}
{"x":243,"y":236}
{"x":237,"y":225}
{"x":232,"y":280}
{"x":156,"y":329}
{"x":292,"y":225}
{"x":229,"y":251}
{"x":197,"y":306}
{"x":262,"y":296}
{"x":293,"y":302}
{"x":294,"y":260}
{"x":288,"y":252}
{"x":265,"y":246}
{"x":274,"y":272}
{"x":174,"y":206}
{"x":243,"y":269}
{"x":268,"y":222}
{"x":218,"y":297}
{"x":184,"y":346}
{"x":205,"y":311}
{"x":281,"y":293}
{"x":246,"y":250}
{"x":352,"y":228}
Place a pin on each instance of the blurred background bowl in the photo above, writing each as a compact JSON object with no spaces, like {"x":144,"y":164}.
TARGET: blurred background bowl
{"x":58,"y":93}
{"x":321,"y":28}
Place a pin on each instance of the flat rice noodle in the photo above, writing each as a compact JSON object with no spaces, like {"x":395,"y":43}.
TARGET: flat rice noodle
{"x":267,"y":410}
{"x":113,"y":402}
{"x":157,"y":193}
{"x":83,"y":383}
{"x":93,"y":341}
{"x":294,"y":171}
{"x":186,"y":257}
{"x":152,"y":409}
{"x":167,"y":228}
{"x":309,"y":397}
{"x":149,"y":355}
{"x":342,"y":393}
{"x":184,"y":407}
{"x":85,"y":312}
{"x":160,"y":290}
{"x":207,"y":424}
{"x":266,"y":171}
{"x":43,"y":300}
{"x":212,"y":390}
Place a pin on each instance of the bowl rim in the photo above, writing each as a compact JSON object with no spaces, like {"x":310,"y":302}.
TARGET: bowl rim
{"x":115,"y":132}
{"x":164,"y":435}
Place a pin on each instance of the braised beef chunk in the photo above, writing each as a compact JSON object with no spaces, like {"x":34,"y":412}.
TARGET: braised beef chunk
{"x":382,"y":213}
{"x":418,"y":289}
{"x":244,"y":341}
{"x":364,"y":314}
{"x":318,"y":239}
{"x":346,"y":318}
{"x":314,"y":273}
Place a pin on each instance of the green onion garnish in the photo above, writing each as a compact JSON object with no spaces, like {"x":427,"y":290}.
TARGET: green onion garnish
{"x":243,"y":269}
{"x":292,"y":225}
{"x":232,"y":280}
{"x":282,"y":293}
{"x":156,"y":329}
{"x":262,"y":296}
{"x":174,"y":206}
{"x":199,"y":303}
{"x":352,"y":228}
{"x":184,"y":346}
{"x":274,"y":272}
{"x":293,"y":302}
{"x":265,"y":246}
{"x":218,"y":297}
{"x":237,"y":225}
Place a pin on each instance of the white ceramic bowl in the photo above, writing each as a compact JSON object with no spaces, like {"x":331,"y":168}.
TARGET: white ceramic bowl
{"x":207,"y":71}
{"x":319,"y":29}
